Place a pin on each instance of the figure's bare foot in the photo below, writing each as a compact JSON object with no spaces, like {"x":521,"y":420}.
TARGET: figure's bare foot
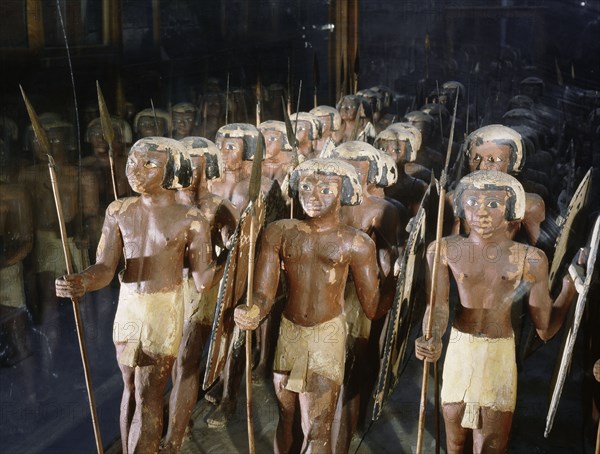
{"x":222,"y":414}
{"x":213,"y":395}
{"x":260,"y":374}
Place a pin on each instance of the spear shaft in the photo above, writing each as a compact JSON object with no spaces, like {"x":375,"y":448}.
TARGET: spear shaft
{"x":40,"y":134}
{"x":434,"y":272}
{"x":109,"y":135}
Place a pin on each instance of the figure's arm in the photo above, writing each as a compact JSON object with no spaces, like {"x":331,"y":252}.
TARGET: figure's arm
{"x":431,"y":349}
{"x":204,"y":270}
{"x":108,"y":254}
{"x":226,"y":220}
{"x":547,"y":316}
{"x":375,"y":300}
{"x":388,"y":233}
{"x":266,"y":279}
{"x":535,"y":213}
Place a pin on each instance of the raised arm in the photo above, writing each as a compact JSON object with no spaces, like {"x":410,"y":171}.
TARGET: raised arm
{"x":547,"y":315}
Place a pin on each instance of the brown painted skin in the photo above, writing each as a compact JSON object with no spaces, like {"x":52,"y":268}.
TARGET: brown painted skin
{"x":222,"y":217}
{"x":183,"y":124}
{"x":277,"y":162}
{"x":303,"y":133}
{"x":407,"y":190}
{"x":234,"y":184}
{"x":348,"y":110}
{"x":327,"y":133}
{"x":490,"y":156}
{"x":484,"y":265}
{"x":100,"y":164}
{"x":167,"y":233}
{"x":311,"y":252}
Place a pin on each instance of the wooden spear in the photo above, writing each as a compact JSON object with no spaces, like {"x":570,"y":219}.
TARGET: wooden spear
{"x":109,"y":135}
{"x":258,"y":101}
{"x":254,"y":192}
{"x":432,"y":294}
{"x":40,"y":134}
{"x":291,"y":137}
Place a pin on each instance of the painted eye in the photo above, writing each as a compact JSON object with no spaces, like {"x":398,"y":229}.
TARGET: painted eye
{"x":150,"y":165}
{"x":477,"y":158}
{"x":498,"y":159}
{"x":325,"y":191}
{"x":493,"y":204}
{"x":305,"y":187}
{"x":472,"y":202}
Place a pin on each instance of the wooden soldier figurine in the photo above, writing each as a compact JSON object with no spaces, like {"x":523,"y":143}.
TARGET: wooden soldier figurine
{"x":237,"y":143}
{"x":500,"y":148}
{"x":413,"y":168}
{"x":317,"y":255}
{"x":16,"y":242}
{"x":212,"y":113}
{"x":199,"y":307}
{"x":427,"y":156}
{"x":79,"y":194}
{"x":151,"y":123}
{"x":156,"y":235}
{"x":308,"y":131}
{"x":278,"y":156}
{"x":354,"y":109}
{"x":380,"y":219}
{"x":402,"y":145}
{"x":183,"y":120}
{"x":492,"y":272}
{"x":331,"y":122}
{"x":100,"y":163}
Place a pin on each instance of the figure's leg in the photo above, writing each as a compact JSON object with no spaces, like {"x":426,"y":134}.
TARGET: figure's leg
{"x":186,"y":381}
{"x":317,"y":406}
{"x":495,"y":430}
{"x":286,"y":400}
{"x":146,"y":427}
{"x":232,"y":378}
{"x":127,"y":404}
{"x":346,"y":418}
{"x":456,"y":435}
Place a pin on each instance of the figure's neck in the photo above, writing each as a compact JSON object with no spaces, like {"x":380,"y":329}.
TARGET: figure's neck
{"x":159,"y":198}
{"x":485,"y":239}
{"x":327,"y":222}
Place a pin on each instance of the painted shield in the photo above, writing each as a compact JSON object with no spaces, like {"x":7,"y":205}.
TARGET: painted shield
{"x":401,"y":316}
{"x":566,"y":238}
{"x":232,"y":290}
{"x":565,"y":245}
{"x":566,"y":353}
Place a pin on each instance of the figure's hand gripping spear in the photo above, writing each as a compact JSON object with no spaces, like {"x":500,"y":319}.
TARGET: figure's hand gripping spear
{"x":109,"y":135}
{"x":40,"y":134}
{"x":434,"y":272}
